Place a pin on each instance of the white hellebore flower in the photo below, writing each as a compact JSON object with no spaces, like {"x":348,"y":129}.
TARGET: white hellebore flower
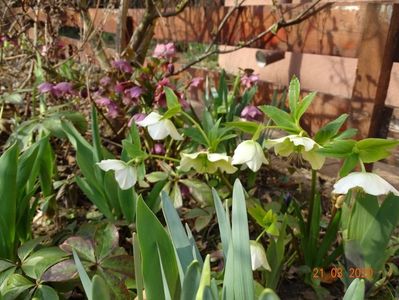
{"x":249,"y":153}
{"x":205,"y":162}
{"x":258,"y":256}
{"x":371,"y":183}
{"x":125,"y":175}
{"x":294,"y":143}
{"x":159,"y":128}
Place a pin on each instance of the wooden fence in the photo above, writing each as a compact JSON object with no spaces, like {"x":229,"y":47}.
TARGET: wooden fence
{"x":365,"y":32}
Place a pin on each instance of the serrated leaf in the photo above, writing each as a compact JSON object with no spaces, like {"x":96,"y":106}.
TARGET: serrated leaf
{"x":303,"y":105}
{"x":330,"y":130}
{"x":293,"y":94}
{"x":281,"y":118}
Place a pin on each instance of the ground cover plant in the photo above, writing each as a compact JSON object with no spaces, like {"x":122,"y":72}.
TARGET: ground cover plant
{"x":115,"y":183}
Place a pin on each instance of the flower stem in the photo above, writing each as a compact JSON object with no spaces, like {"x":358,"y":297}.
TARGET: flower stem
{"x":362,"y":165}
{"x":312,"y":195}
{"x":164,"y":157}
{"x":226,"y":181}
{"x":195,"y":123}
{"x":260,"y":235}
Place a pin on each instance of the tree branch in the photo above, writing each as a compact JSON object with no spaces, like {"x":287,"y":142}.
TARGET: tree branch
{"x":281,"y":23}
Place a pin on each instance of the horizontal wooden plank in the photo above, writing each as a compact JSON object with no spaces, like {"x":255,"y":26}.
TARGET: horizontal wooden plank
{"x":335,"y":30}
{"x":335,"y":75}
{"x":270,"y":2}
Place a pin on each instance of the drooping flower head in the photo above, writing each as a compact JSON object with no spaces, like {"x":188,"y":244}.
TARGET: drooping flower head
{"x":249,"y":80}
{"x":125,"y":175}
{"x":45,"y":87}
{"x":252,"y":113}
{"x":305,"y":146}
{"x":370,"y":183}
{"x":62,"y":89}
{"x":205,"y":162}
{"x":159,"y":128}
{"x":164,"y":51}
{"x":122,"y":65}
{"x":249,"y":153}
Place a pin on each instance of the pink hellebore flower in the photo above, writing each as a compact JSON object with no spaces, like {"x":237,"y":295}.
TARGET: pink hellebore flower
{"x":119,"y":88}
{"x":252,"y":113}
{"x":249,"y":80}
{"x":45,"y":87}
{"x":134,"y":92}
{"x":158,"y":149}
{"x":136,"y":118}
{"x":196,"y":82}
{"x":122,"y":65}
{"x":62,"y":89}
{"x":112,"y":110}
{"x":165,"y":51}
{"x":105,"y":81}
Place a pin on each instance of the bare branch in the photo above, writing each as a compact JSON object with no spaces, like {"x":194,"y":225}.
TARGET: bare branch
{"x":281,"y":23}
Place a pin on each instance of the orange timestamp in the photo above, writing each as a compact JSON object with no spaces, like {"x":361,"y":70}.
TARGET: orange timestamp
{"x":339,"y":272}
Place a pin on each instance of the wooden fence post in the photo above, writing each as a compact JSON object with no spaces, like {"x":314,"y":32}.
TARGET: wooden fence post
{"x":121,"y":29}
{"x":376,"y":54}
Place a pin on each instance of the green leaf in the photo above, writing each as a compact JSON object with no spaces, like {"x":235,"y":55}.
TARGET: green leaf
{"x":242,"y":271}
{"x":45,"y":292}
{"x":338,"y":149}
{"x":83,"y":246}
{"x":347,"y":134}
{"x":330,"y":130}
{"x":304,"y":105}
{"x":356,"y":290}
{"x":268,"y":294}
{"x":16,"y":285}
{"x":199,"y":190}
{"x":179,"y":237}
{"x":245,"y":126}
{"x":281,"y":118}
{"x":26,"y":249}
{"x":171,"y":99}
{"x":106,"y":240}
{"x":374,"y":149}
{"x":223,"y":222}
{"x":156,"y":176}
{"x":99,"y":289}
{"x":14,"y":98}
{"x":152,"y":236}
{"x":38,"y":262}
{"x":191,"y":281}
{"x":205,"y":280}
{"x":349,"y":164}
{"x":138,"y":271}
{"x":293,"y":94}
{"x":8,"y":194}
{"x":171,"y":112}
{"x":84,"y":278}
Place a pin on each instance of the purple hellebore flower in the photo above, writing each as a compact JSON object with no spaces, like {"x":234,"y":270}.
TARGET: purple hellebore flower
{"x":185,"y":191}
{"x":122,"y":65}
{"x":165,"y":51}
{"x":103,"y":101}
{"x":112,"y":110}
{"x":45,"y":87}
{"x":134,"y":92}
{"x":196,"y":82}
{"x":63,"y":88}
{"x":158,"y":149}
{"x":249,"y":80}
{"x":105,"y":81}
{"x":119,"y":88}
{"x":252,"y":113}
{"x":136,"y":118}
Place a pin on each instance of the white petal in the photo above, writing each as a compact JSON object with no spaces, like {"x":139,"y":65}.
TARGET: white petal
{"x":172,"y":130}
{"x":316,"y":160}
{"x":158,"y":131}
{"x":213,"y":157}
{"x":151,"y":119}
{"x":371,"y":183}
{"x":272,"y":142}
{"x":126,"y":177}
{"x":258,"y":256}
{"x":111,"y":164}
{"x":306,"y":142}
{"x":244,"y":152}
